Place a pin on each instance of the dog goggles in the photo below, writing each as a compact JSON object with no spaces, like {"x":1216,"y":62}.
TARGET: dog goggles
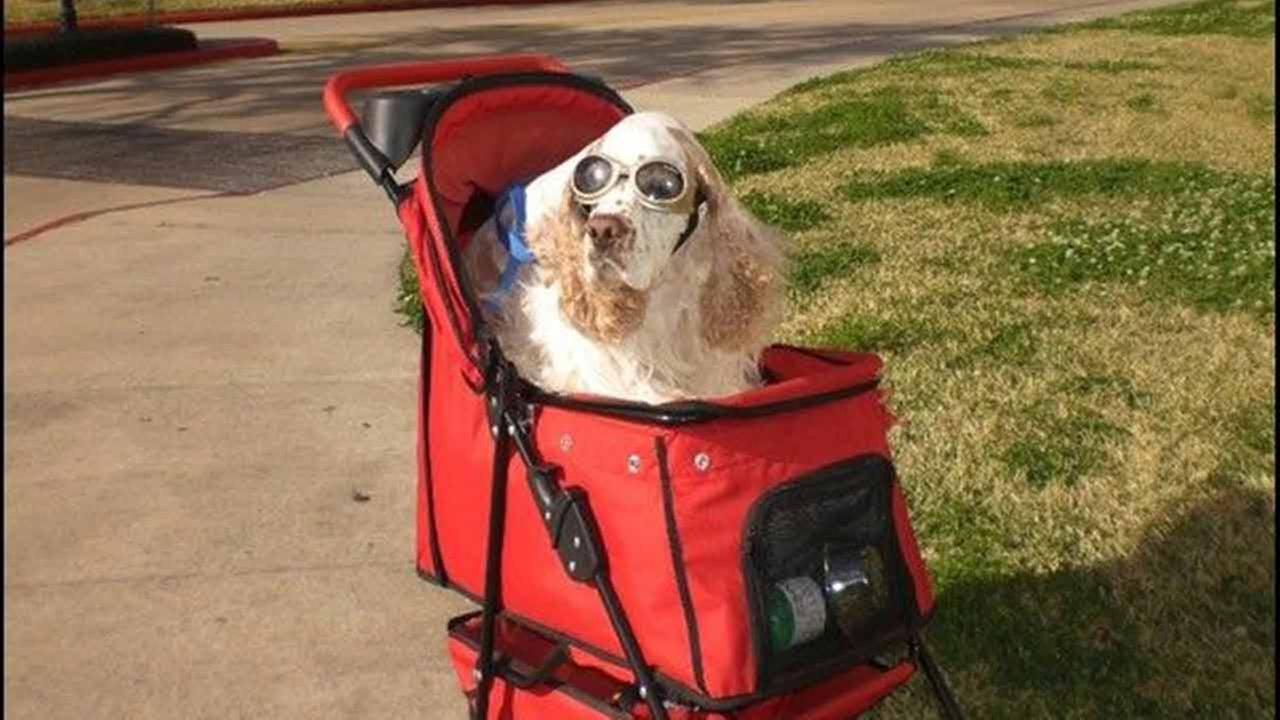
{"x":660,"y":185}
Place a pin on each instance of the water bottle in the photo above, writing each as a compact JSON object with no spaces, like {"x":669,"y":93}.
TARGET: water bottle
{"x":847,"y":592}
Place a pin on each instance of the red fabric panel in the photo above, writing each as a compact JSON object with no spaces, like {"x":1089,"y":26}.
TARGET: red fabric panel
{"x":840,"y":697}
{"x":443,"y":287}
{"x":424,"y":560}
{"x":415,"y":231}
{"x":507,"y":702}
{"x":629,"y":511}
{"x":799,"y":375}
{"x":461,"y":452}
{"x":490,"y":139}
{"x":747,"y":458}
{"x":423,"y":233}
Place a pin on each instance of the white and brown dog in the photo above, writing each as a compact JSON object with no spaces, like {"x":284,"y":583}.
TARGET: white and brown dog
{"x":651,"y":283}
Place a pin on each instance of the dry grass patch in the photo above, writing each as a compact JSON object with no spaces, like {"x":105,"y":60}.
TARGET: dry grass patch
{"x":1073,"y":91}
{"x":1066,"y":256}
{"x":1063,"y":246}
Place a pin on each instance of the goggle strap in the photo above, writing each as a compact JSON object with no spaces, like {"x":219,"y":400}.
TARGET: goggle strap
{"x":698,"y":201}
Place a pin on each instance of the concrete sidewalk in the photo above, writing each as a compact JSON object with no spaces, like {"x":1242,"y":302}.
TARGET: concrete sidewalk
{"x":194,"y":390}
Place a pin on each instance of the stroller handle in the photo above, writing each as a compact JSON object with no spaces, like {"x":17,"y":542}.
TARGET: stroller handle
{"x":371,"y":158}
{"x":376,"y":76}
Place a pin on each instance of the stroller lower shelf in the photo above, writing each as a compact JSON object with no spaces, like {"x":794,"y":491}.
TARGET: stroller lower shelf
{"x":577,"y":686}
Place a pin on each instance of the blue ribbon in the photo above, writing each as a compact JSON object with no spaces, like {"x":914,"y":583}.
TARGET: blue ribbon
{"x":512,"y":238}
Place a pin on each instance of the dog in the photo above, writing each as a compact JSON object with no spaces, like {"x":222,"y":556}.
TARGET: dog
{"x":651,"y":282}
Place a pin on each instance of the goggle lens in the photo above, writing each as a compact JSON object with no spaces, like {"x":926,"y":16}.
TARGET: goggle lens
{"x":659,"y":181}
{"x":592,"y":175}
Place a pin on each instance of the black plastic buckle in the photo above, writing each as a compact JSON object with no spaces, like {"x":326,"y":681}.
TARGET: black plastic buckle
{"x":892,"y":656}
{"x":573,"y":534}
{"x":498,"y":390}
{"x":568,"y":521}
{"x":564,"y":512}
{"x":941,"y":690}
{"x":913,"y":649}
{"x":545,"y":670}
{"x":496,"y":413}
{"x":626,"y":698}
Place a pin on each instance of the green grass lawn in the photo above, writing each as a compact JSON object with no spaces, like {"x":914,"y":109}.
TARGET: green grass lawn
{"x":1063,"y":245}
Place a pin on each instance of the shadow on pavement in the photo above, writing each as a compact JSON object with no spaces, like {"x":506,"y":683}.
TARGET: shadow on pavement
{"x":623,"y":57}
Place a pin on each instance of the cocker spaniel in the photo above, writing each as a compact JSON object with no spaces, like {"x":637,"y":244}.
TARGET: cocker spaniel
{"x":649,"y":282}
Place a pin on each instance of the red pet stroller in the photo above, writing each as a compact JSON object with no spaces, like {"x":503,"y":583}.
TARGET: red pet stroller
{"x":745,"y":558}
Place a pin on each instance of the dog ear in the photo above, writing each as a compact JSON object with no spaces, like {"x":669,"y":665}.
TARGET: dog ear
{"x":549,"y":237}
{"x":742,"y":296}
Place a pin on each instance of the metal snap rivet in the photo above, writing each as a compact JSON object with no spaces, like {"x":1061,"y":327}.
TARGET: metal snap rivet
{"x":566,"y":442}
{"x":577,"y":541}
{"x":702,"y":461}
{"x":633,"y":464}
{"x":573,"y":565}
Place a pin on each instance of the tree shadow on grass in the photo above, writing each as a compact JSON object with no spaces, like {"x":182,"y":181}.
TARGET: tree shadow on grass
{"x":1184,"y":627}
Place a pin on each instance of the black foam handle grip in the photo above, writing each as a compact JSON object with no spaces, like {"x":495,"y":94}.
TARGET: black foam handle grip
{"x":369,"y":156}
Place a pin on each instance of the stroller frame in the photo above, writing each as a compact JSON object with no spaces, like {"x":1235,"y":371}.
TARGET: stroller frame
{"x":395,"y":124}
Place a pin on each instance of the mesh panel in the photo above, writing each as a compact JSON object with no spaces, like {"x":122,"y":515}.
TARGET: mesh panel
{"x":842,"y":511}
{"x":791,"y":527}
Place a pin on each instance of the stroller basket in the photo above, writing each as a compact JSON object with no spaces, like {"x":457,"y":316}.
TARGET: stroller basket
{"x":749,"y":556}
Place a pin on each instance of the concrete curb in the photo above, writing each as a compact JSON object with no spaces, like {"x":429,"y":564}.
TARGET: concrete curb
{"x":202,"y":16}
{"x":213,"y":51}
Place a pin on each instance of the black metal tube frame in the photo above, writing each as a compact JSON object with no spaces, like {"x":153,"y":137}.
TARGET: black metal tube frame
{"x":941,"y":690}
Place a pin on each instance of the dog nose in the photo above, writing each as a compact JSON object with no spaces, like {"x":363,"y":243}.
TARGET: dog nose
{"x":606,"y":231}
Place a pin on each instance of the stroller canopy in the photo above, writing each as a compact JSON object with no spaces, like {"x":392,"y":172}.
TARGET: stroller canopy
{"x":480,"y":139}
